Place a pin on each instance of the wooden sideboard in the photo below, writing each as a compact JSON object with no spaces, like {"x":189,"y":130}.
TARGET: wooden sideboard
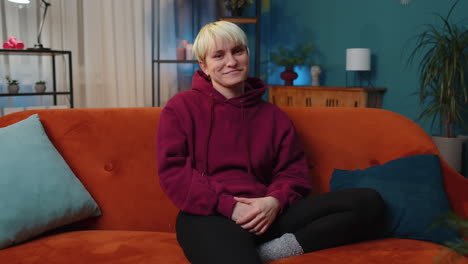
{"x":326,"y":96}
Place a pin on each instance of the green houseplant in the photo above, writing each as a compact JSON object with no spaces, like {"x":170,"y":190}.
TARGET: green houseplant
{"x":459,"y":248}
{"x":11,"y":81}
{"x":443,"y":82}
{"x":13,"y":85}
{"x":40,"y":86}
{"x":236,"y":7}
{"x":290,"y":57}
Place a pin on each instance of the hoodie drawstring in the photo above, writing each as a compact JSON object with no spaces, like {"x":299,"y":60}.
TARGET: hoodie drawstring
{"x":210,"y":127}
{"x":246,"y":140}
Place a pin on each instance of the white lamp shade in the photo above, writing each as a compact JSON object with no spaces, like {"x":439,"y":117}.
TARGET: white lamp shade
{"x":20,"y":1}
{"x":358,"y":59}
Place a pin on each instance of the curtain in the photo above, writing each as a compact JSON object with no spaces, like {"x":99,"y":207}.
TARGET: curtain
{"x":110,"y":41}
{"x":116,"y":43}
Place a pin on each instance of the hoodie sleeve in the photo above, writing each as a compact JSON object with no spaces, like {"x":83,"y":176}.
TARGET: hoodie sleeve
{"x":290,"y":175}
{"x":190,"y":191}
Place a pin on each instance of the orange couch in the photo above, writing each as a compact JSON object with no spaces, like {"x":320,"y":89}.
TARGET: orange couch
{"x":113,"y":153}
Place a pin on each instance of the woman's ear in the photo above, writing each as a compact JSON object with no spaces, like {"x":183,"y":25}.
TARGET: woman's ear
{"x":203,"y":67}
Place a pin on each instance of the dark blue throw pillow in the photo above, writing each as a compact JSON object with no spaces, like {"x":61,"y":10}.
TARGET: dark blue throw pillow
{"x":413,"y":191}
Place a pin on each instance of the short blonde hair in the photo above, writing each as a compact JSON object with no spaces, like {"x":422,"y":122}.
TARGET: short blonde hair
{"x":212,"y":32}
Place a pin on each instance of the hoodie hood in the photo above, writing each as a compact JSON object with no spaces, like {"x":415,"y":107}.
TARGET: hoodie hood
{"x":254,"y":90}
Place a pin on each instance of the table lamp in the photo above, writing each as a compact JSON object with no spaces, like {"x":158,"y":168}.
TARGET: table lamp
{"x":358,"y":60}
{"x":38,"y":45}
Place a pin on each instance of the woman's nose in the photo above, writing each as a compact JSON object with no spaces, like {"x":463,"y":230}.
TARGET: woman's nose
{"x":231,"y":60}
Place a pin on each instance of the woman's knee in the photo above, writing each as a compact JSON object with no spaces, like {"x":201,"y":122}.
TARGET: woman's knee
{"x":372,"y":211}
{"x":369,"y":202}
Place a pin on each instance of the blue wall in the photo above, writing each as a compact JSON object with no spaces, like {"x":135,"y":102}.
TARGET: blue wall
{"x":384,"y":26}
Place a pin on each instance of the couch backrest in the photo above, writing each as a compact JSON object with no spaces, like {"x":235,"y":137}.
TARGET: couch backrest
{"x":357,"y":138}
{"x":113,"y":152}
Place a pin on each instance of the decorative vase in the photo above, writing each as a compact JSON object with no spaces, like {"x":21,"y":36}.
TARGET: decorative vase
{"x":13,"y":88}
{"x":450,"y":149}
{"x":40,"y":88}
{"x":289,"y":75}
{"x":180,"y":53}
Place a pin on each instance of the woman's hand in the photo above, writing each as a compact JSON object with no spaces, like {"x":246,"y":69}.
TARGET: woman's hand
{"x":261,"y":217}
{"x":243,"y":211}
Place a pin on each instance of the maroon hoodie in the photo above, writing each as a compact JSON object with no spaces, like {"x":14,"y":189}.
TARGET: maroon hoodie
{"x":211,"y":149}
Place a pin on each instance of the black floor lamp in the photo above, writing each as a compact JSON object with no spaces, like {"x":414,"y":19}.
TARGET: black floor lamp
{"x":38,"y":45}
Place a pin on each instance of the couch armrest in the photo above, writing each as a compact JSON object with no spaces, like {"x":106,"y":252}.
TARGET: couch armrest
{"x":456,"y":187}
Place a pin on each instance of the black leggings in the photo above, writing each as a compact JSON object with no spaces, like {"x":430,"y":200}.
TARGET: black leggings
{"x":318,"y":222}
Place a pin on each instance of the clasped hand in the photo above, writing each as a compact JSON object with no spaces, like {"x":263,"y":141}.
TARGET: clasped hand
{"x":255,"y":214}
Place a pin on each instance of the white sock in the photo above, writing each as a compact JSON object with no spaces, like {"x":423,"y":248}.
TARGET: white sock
{"x":278,"y":248}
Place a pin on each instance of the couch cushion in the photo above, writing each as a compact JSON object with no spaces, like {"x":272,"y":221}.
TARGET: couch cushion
{"x":392,"y":250}
{"x":116,"y":247}
{"x":38,"y":191}
{"x":133,"y":247}
{"x":413,"y":191}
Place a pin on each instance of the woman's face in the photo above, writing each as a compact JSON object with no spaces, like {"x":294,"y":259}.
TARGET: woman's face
{"x":227,"y":64}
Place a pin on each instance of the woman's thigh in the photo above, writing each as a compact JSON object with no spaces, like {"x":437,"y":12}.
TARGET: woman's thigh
{"x":366,"y":204}
{"x":215,"y":239}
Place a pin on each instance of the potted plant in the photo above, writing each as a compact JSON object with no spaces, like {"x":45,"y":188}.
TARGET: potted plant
{"x":458,"y":249}
{"x":13,"y":85}
{"x":443,"y":82}
{"x":236,"y":7}
{"x":290,"y":57}
{"x":40,"y":86}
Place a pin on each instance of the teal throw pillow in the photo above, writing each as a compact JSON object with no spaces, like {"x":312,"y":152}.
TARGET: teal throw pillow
{"x":38,"y":191}
{"x":414,"y":194}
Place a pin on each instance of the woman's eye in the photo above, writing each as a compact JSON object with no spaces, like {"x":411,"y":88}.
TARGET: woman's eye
{"x":238,"y":50}
{"x":218,"y":55}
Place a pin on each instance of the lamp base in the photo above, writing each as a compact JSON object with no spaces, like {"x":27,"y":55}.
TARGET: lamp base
{"x":38,"y":47}
{"x":359,"y":76}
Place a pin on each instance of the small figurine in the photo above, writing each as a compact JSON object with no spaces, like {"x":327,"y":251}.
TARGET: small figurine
{"x":315,"y":71}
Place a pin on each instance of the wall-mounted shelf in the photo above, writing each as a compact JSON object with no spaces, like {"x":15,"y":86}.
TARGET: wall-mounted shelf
{"x":34,"y":52}
{"x":240,"y":20}
{"x":27,"y":94}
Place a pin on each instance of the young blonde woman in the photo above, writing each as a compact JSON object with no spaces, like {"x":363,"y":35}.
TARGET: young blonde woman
{"x":234,"y":166}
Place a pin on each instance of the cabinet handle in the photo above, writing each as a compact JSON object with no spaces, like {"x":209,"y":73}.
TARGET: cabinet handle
{"x":332,"y":103}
